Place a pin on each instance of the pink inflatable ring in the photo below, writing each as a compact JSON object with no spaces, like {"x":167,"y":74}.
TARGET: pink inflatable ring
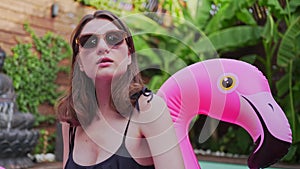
{"x":232,"y":91}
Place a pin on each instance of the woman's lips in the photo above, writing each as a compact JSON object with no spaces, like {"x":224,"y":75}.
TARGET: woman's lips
{"x":104,"y":62}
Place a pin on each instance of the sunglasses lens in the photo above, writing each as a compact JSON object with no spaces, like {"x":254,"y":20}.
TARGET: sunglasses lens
{"x":114,"y":38}
{"x":88,"y":41}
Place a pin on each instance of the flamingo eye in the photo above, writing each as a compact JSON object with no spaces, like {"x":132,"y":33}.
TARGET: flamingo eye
{"x":227,"y":83}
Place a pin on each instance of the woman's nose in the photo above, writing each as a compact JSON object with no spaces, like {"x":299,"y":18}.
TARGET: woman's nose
{"x":102,"y":47}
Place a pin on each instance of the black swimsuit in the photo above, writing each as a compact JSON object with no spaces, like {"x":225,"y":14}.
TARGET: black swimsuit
{"x":120,"y":160}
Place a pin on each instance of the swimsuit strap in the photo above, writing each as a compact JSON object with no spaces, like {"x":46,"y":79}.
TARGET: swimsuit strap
{"x":146,"y":92}
{"x":72,"y":131}
{"x":126,"y":129}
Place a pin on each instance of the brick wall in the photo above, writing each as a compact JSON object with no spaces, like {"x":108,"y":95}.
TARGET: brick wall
{"x":14,"y":13}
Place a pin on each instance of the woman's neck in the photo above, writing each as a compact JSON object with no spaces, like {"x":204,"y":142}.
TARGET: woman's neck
{"x":103,"y":94}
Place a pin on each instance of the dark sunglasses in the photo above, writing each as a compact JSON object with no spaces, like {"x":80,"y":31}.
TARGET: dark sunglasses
{"x":111,"y":38}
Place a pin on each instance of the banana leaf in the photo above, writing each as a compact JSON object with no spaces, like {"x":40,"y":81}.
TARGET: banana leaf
{"x":289,"y":48}
{"x":226,"y":13}
{"x":231,"y":38}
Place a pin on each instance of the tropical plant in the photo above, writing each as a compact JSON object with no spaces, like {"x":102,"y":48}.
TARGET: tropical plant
{"x":288,"y":86}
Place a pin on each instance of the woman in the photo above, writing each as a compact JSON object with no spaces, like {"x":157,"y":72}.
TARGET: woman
{"x":109,"y":119}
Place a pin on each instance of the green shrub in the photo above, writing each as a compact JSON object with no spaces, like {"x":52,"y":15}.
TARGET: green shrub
{"x":33,"y":68}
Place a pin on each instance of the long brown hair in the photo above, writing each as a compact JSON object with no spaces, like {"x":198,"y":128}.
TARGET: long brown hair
{"x":80,"y":85}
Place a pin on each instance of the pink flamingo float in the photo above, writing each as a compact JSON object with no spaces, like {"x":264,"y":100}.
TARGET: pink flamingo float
{"x":232,"y":91}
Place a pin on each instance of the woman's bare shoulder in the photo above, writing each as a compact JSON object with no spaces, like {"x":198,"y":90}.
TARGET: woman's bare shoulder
{"x":65,"y":125}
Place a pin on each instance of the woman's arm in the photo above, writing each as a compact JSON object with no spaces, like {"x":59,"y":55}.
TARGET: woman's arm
{"x":160,"y":134}
{"x":65,"y":136}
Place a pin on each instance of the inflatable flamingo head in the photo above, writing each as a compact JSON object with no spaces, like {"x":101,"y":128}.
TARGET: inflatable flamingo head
{"x":232,"y":91}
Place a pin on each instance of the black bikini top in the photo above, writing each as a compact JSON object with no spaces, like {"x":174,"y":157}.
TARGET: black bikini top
{"x":121,"y":159}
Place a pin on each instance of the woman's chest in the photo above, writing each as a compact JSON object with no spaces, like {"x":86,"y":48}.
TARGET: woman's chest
{"x":97,"y":145}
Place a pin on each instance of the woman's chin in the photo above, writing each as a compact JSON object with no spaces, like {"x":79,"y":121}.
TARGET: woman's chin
{"x":108,"y":74}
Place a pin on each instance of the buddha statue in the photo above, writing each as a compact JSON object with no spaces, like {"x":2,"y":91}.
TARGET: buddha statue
{"x":17,"y":137}
{"x":8,"y":101}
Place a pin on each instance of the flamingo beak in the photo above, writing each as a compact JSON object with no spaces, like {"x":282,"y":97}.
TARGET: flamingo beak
{"x":275,"y":137}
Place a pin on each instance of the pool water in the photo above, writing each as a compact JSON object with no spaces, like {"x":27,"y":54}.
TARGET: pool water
{"x":216,"y":165}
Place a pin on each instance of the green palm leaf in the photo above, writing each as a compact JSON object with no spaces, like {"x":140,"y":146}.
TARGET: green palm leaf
{"x":289,"y":47}
{"x":231,"y":38}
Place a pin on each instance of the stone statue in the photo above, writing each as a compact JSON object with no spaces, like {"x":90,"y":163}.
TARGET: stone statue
{"x":7,"y":100}
{"x":17,"y":138}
